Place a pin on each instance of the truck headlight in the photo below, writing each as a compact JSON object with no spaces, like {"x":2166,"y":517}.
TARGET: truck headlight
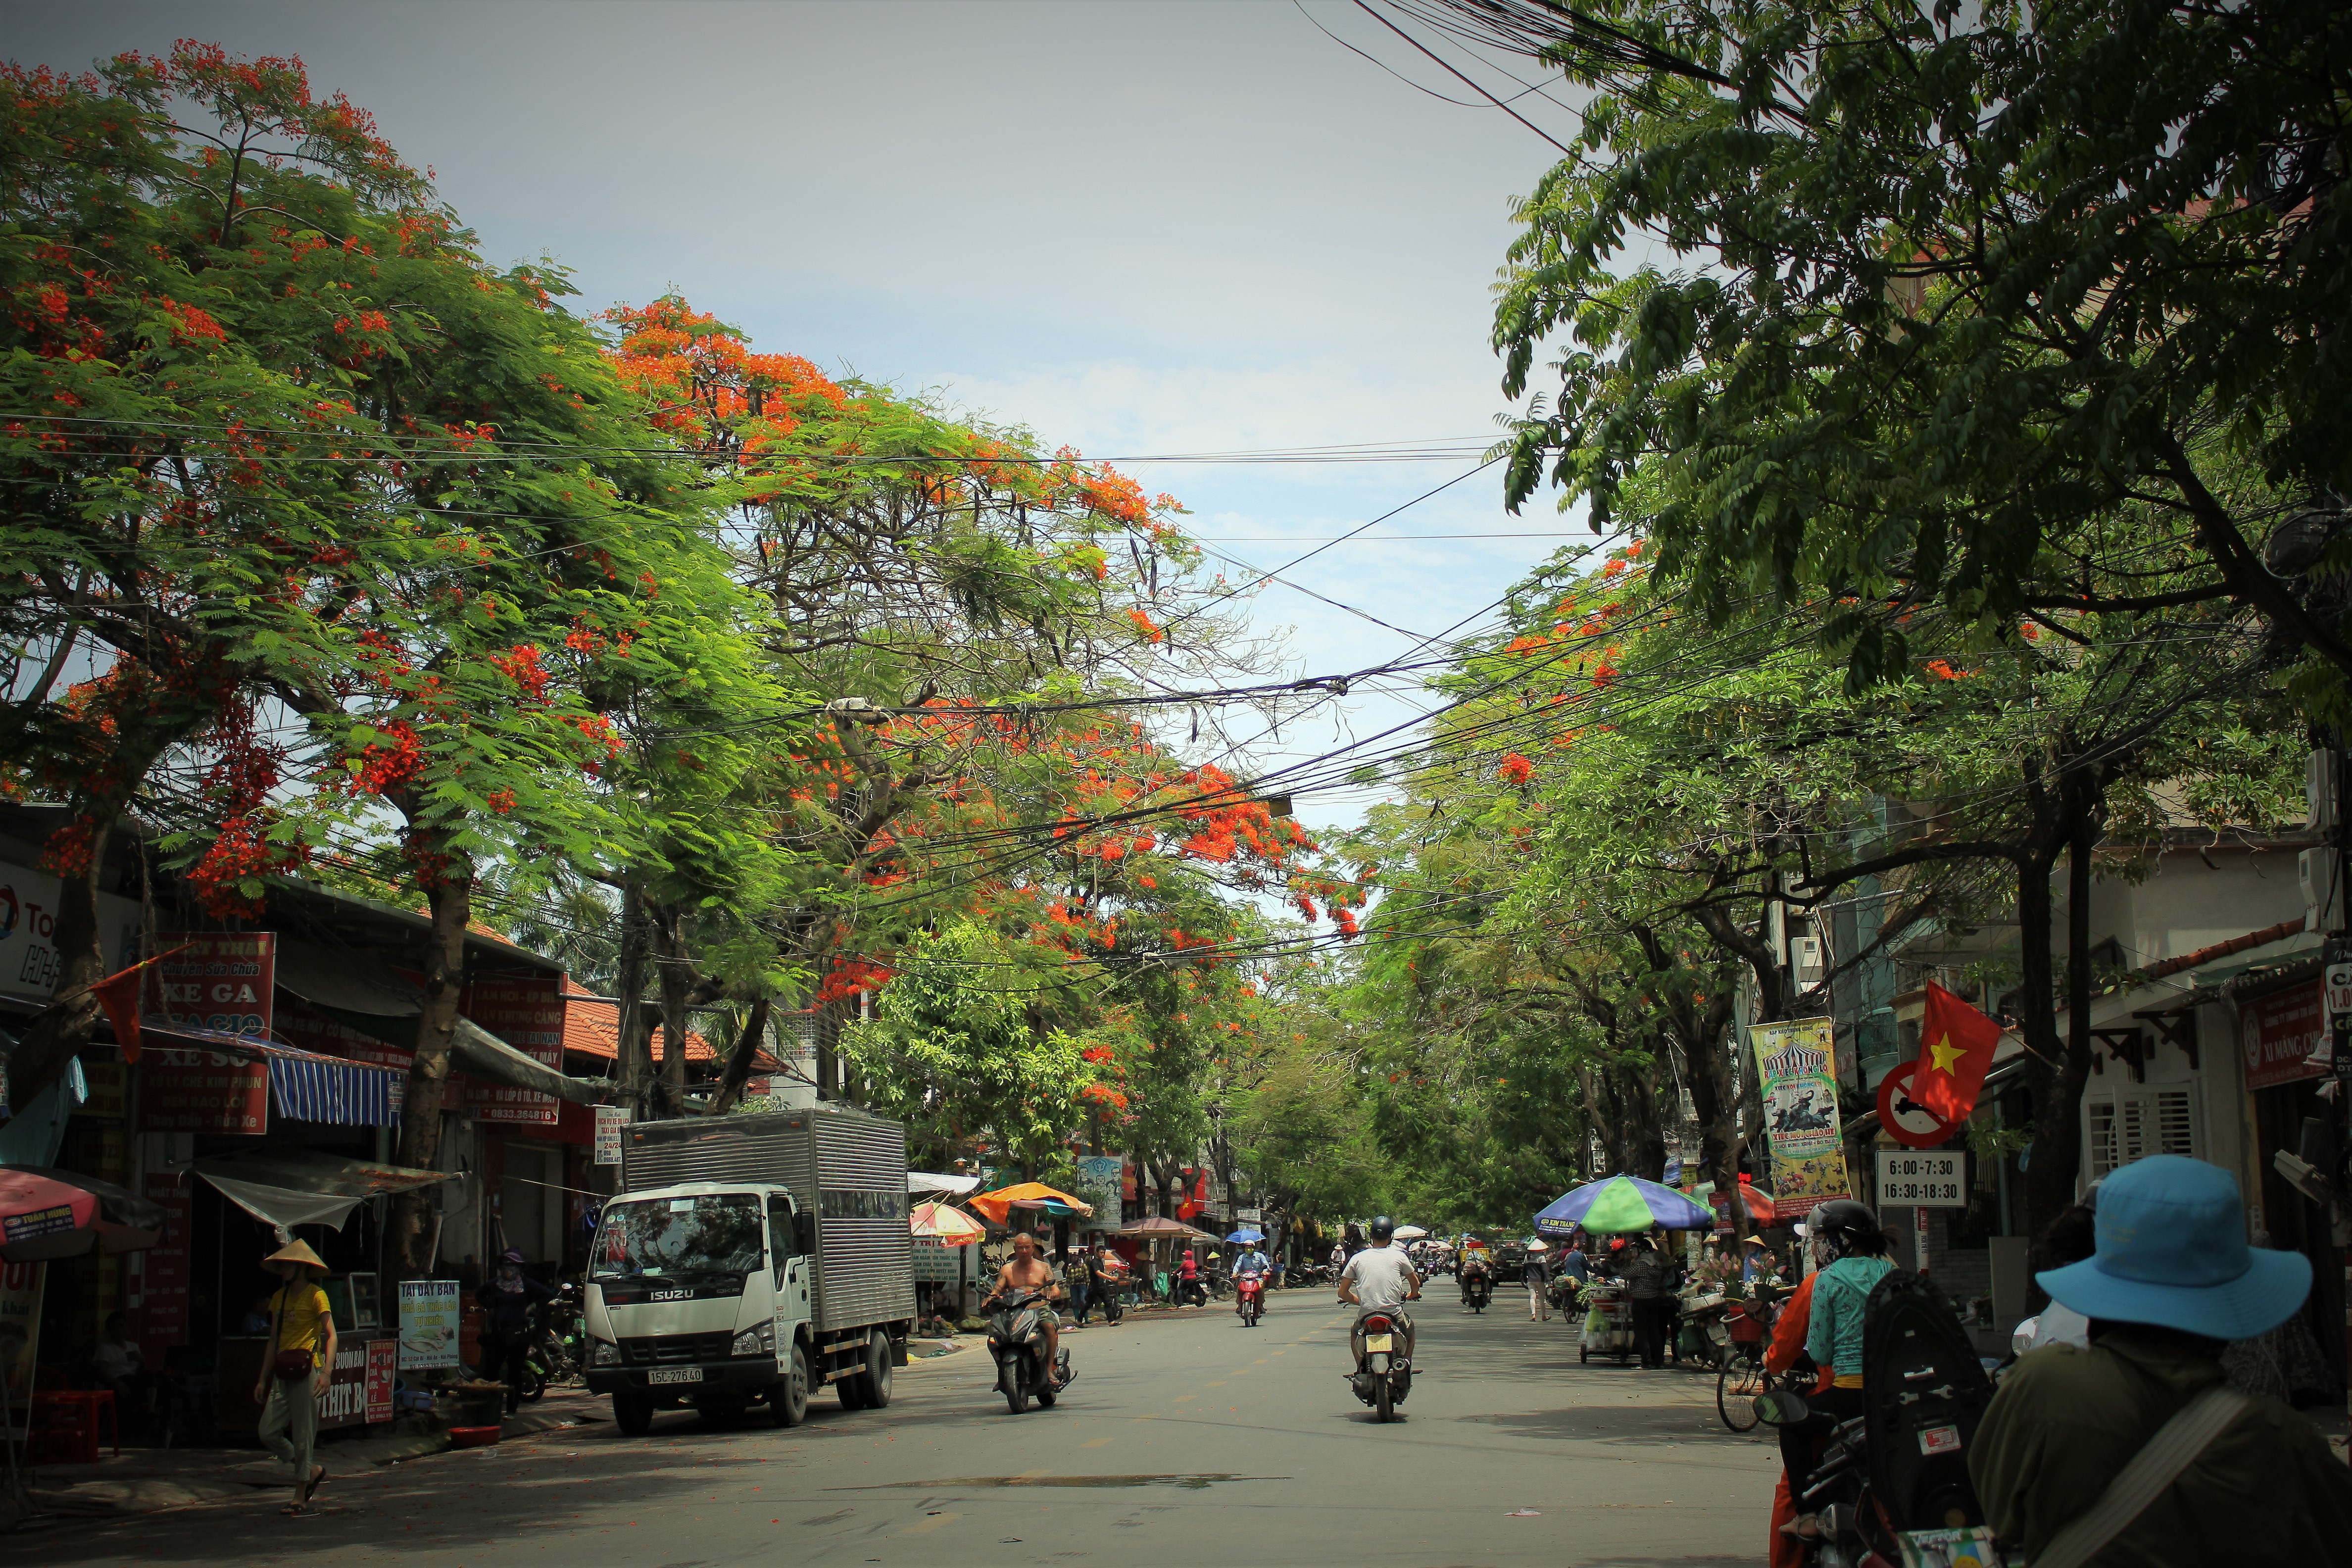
{"x":761,"y":1340}
{"x":607,"y":1354}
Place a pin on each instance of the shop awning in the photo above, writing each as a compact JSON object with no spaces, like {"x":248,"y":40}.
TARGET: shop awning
{"x":928,"y":1182}
{"x":286,"y":1187}
{"x":303,"y":1085}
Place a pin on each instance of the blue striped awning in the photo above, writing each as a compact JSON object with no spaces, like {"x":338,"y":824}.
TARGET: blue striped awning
{"x":303,"y":1085}
{"x":310,"y":1087}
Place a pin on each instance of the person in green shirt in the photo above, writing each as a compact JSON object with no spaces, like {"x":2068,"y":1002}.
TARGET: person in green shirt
{"x":1846,"y":1237}
{"x":2172,"y":1282}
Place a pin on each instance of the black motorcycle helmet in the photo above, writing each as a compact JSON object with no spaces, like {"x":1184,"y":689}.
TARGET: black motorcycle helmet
{"x":1382,"y":1228}
{"x":1847,"y":1229}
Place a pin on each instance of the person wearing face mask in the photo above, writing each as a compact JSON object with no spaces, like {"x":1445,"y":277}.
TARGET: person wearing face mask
{"x":507,"y":1298}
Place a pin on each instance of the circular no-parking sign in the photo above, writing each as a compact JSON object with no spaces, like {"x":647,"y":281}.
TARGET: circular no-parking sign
{"x":1906,"y":1121}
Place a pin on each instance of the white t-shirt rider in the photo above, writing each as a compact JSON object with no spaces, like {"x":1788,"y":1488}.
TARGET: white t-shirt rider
{"x":1382,"y":1276}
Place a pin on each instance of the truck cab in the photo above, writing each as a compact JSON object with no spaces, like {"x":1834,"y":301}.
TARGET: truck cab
{"x":698,"y":1293}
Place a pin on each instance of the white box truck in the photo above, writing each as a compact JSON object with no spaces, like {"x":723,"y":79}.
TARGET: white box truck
{"x":752,"y":1259}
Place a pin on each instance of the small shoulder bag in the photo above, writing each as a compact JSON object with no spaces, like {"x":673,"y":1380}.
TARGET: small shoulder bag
{"x":288,"y":1364}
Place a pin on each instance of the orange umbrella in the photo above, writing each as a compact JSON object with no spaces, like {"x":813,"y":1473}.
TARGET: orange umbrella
{"x":946,"y":1224}
{"x":995,"y":1205}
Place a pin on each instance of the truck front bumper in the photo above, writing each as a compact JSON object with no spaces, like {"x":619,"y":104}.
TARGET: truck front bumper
{"x":747,"y":1378}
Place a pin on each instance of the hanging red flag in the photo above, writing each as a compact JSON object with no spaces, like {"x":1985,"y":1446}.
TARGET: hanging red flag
{"x":1956,"y":1047}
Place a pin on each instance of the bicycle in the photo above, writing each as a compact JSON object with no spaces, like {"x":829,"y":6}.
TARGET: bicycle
{"x":1738,"y":1381}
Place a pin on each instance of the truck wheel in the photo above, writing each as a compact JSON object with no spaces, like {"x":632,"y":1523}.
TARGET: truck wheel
{"x":788,"y":1400}
{"x":873,"y":1383}
{"x":634,"y":1414}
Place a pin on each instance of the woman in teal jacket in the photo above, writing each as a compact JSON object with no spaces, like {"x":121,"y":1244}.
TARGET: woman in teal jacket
{"x":1845,"y":1239}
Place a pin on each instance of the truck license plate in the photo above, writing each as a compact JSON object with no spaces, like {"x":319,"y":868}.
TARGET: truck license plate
{"x":1378,"y":1343}
{"x":675,"y":1374}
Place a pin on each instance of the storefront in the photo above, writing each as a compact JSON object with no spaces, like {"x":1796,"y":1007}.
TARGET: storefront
{"x":2280,"y":1028}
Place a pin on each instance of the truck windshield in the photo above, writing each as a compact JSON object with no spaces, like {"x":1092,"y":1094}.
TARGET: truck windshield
{"x":674,"y":1238}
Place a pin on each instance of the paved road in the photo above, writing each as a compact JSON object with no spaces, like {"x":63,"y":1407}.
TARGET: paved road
{"x":1184,"y":1441}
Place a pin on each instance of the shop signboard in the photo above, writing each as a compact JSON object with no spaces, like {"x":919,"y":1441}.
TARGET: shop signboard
{"x":610,"y":1120}
{"x":2280,"y":1034}
{"x":382,"y":1366}
{"x":430,"y":1321}
{"x":20,"y":1327}
{"x":203,"y":1091}
{"x":1922,"y":1178}
{"x":28,"y":917}
{"x":1097,"y":1185}
{"x":1797,"y":1070}
{"x":224,"y":981}
{"x":359,"y":1385}
{"x":526,"y":1010}
{"x":163,"y":1314}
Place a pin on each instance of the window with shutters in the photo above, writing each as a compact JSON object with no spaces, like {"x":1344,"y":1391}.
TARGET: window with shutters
{"x":2131,"y":1122}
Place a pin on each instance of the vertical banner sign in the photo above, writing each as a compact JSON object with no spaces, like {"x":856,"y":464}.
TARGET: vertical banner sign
{"x":610,"y":1120}
{"x":163,"y":1286}
{"x":1797,"y":1069}
{"x":383,"y":1363}
{"x":20,"y":1327}
{"x":218,"y":980}
{"x":1098,"y":1184}
{"x":526,"y":1010}
{"x":429,"y":1323}
{"x":2337,"y":1042}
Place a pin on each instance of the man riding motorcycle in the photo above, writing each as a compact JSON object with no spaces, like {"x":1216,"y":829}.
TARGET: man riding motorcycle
{"x":1025,"y":1270}
{"x":1251,"y":1262}
{"x":1380,"y":1278}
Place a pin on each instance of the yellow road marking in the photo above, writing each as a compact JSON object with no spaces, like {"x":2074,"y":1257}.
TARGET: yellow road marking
{"x":1219,"y":1383}
{"x":1182,"y":1397}
{"x":1094,"y":1443}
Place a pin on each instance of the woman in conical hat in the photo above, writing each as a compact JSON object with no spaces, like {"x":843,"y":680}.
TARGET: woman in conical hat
{"x":294,"y":1366}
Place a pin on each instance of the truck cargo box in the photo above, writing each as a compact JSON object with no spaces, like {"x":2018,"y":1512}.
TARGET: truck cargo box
{"x":847,"y":1168}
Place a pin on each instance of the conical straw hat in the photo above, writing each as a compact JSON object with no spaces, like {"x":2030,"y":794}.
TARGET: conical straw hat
{"x":298,"y":1252}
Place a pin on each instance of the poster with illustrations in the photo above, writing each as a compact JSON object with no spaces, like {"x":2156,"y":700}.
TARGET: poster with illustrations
{"x":1797,"y":1069}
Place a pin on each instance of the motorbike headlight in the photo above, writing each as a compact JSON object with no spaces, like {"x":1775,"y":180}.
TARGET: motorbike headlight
{"x":607,"y":1354}
{"x":761,"y":1340}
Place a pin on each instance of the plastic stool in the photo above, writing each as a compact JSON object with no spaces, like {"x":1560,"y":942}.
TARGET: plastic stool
{"x":70,"y":1418}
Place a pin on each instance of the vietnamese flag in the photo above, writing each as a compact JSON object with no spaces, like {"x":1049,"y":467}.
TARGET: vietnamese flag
{"x":1956,"y":1046}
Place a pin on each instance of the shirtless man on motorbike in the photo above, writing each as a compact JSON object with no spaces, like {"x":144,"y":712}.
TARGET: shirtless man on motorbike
{"x":1025,"y":1271}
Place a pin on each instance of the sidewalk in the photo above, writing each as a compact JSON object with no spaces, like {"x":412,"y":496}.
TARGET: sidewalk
{"x":146,"y":1480}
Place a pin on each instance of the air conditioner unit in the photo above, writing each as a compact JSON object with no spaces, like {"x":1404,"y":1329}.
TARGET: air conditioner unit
{"x":2315,"y":869}
{"x":1805,"y":960}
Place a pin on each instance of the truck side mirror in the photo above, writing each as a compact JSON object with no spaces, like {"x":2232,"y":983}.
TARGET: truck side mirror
{"x":805,"y":1234}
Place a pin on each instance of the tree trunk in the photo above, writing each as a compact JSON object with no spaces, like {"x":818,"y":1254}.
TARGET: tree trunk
{"x":636,"y":1062}
{"x":737,"y":1069}
{"x":2056,"y":1163}
{"x":451,"y":899}
{"x":676,"y":978}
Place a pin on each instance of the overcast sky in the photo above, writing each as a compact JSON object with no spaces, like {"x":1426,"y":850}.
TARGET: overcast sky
{"x":1133,"y":228}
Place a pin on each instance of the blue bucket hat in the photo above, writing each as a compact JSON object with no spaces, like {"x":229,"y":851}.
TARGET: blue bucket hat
{"x":2172,"y":1252}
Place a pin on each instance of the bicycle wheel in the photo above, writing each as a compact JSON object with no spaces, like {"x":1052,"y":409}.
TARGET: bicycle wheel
{"x":1735,"y":1388}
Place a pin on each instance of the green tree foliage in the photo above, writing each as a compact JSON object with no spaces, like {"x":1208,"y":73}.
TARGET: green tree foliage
{"x":1978,"y":279}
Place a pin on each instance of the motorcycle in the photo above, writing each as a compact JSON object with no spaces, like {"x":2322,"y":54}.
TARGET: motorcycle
{"x":1382,"y":1340}
{"x":551,"y":1347}
{"x":1016,"y":1340}
{"x":1253,"y":1298}
{"x":1477,"y":1290}
{"x":1900,"y":1468}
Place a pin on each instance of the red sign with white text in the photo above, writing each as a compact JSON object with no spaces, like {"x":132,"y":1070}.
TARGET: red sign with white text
{"x":526,"y":1010}
{"x":2280,"y":1034}
{"x":202,"y":1091}
{"x":217,"y":980}
{"x":162,"y":1315}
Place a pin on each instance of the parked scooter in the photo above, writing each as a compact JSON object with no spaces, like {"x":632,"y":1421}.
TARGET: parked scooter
{"x":1382,"y":1340}
{"x":1016,"y":1339}
{"x":1253,"y":1298}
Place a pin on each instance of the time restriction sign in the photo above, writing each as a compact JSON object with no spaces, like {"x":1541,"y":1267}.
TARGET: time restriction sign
{"x":1920,"y":1179}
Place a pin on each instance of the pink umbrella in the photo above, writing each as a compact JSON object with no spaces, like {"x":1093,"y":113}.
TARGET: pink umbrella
{"x":47,"y":1214}
{"x":946,"y":1224}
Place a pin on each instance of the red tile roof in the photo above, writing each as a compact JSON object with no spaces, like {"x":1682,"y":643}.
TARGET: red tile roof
{"x":592,"y":1025}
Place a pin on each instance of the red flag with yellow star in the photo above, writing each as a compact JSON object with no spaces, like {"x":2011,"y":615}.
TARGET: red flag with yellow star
{"x":1956,"y":1046}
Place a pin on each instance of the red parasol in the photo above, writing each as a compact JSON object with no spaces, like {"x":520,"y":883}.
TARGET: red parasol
{"x":46,"y":1215}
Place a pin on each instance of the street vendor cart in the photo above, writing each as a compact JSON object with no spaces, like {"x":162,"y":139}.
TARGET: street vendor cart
{"x":1607,"y":1323}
